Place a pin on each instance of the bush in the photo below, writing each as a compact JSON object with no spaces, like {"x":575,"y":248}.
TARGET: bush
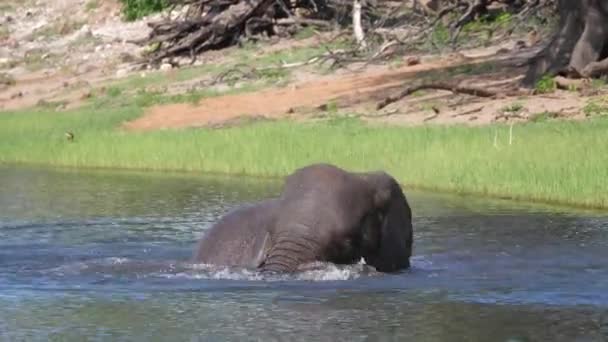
{"x":135,"y":9}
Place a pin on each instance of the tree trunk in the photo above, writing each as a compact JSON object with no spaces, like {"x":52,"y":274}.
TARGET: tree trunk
{"x":357,"y":28}
{"x":578,"y":48}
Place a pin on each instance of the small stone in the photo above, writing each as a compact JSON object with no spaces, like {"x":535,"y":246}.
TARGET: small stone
{"x":16,"y":95}
{"x":66,"y":84}
{"x":98,"y":48}
{"x":12,"y":43}
{"x":126,"y":57}
{"x":121,"y":72}
{"x":412,"y":60}
{"x":85,"y":31}
{"x":184,"y":61}
{"x":86,"y":95}
{"x":166,"y":67}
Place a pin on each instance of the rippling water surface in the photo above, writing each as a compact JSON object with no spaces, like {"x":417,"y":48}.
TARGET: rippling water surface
{"x":103,"y":256}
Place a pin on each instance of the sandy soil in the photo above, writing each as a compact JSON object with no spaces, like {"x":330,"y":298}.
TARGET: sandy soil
{"x":359,"y":93}
{"x":97,"y":50}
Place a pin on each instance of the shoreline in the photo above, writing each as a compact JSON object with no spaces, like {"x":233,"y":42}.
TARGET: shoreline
{"x":430,"y":189}
{"x":553,"y":162}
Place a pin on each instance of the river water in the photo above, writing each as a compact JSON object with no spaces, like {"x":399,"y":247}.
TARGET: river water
{"x":102,"y":256}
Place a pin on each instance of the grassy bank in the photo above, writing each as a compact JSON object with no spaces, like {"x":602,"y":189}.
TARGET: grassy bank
{"x":560,"y":162}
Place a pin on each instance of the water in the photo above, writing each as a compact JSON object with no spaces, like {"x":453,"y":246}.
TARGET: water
{"x":102,"y":256}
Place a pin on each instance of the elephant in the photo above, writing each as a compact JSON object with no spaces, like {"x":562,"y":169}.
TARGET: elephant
{"x":323,"y":213}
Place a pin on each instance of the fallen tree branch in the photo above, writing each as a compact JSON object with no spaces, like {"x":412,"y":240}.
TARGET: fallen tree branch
{"x":300,"y":21}
{"x":468,"y":112}
{"x":469,"y":90}
{"x":211,"y":31}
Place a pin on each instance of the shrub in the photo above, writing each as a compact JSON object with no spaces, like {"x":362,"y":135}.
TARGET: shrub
{"x":135,"y":9}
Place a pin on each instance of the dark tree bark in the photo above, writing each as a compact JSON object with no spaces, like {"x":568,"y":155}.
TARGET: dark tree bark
{"x":579,"y":46}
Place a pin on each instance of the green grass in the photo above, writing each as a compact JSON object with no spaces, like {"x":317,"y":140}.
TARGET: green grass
{"x":545,"y":85}
{"x":596,"y":106}
{"x":260,"y":67}
{"x":92,"y":5}
{"x":554,"y":161}
{"x":135,"y":9}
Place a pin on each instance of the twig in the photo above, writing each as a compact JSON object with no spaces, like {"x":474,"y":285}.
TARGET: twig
{"x":467,"y":112}
{"x":430,"y":117}
{"x":300,"y":21}
{"x":509,"y":116}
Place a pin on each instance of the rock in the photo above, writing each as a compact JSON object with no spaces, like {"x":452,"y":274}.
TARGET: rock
{"x":412,"y":60}
{"x":165,"y":67}
{"x":126,"y":57}
{"x":220,"y":88}
{"x":5,"y":62}
{"x":121,"y":72}
{"x":98,"y":48}
{"x":86,"y":95}
{"x":85,"y":31}
{"x":183,"y":61}
{"x":12,"y":43}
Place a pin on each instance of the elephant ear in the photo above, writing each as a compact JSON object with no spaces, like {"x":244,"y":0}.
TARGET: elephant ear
{"x":396,"y":233}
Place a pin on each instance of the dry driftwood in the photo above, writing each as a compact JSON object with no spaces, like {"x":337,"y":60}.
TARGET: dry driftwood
{"x":210,"y":31}
{"x":213,"y":24}
{"x":460,"y":89}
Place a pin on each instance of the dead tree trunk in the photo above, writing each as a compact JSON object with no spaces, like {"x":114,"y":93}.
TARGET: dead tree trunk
{"x":212,"y":30}
{"x":579,"y":46}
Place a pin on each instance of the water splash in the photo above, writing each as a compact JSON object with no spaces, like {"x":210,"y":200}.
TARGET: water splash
{"x":115,"y":267}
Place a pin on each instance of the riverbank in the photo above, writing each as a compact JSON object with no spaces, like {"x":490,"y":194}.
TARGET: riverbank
{"x":561,"y":162}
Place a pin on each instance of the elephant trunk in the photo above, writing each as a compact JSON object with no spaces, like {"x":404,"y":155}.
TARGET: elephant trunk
{"x":288,"y":252}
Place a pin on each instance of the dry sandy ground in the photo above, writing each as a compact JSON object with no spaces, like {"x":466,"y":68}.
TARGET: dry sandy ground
{"x":97,"y":51}
{"x":358,"y":94}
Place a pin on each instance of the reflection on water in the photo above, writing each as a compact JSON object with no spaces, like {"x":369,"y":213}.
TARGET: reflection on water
{"x":92,"y":255}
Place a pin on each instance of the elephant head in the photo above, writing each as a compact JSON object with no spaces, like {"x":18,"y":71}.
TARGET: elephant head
{"x":329,"y":214}
{"x":396,"y":233}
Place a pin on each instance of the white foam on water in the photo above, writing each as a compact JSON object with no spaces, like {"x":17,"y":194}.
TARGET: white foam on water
{"x":332,"y":272}
{"x":315,"y":271}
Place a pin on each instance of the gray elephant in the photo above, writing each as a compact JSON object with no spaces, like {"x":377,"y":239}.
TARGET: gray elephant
{"x":324,"y":213}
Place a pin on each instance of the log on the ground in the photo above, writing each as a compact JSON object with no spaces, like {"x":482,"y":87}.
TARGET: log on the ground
{"x":454,"y":88}
{"x":580,"y":46}
{"x":213,"y":30}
